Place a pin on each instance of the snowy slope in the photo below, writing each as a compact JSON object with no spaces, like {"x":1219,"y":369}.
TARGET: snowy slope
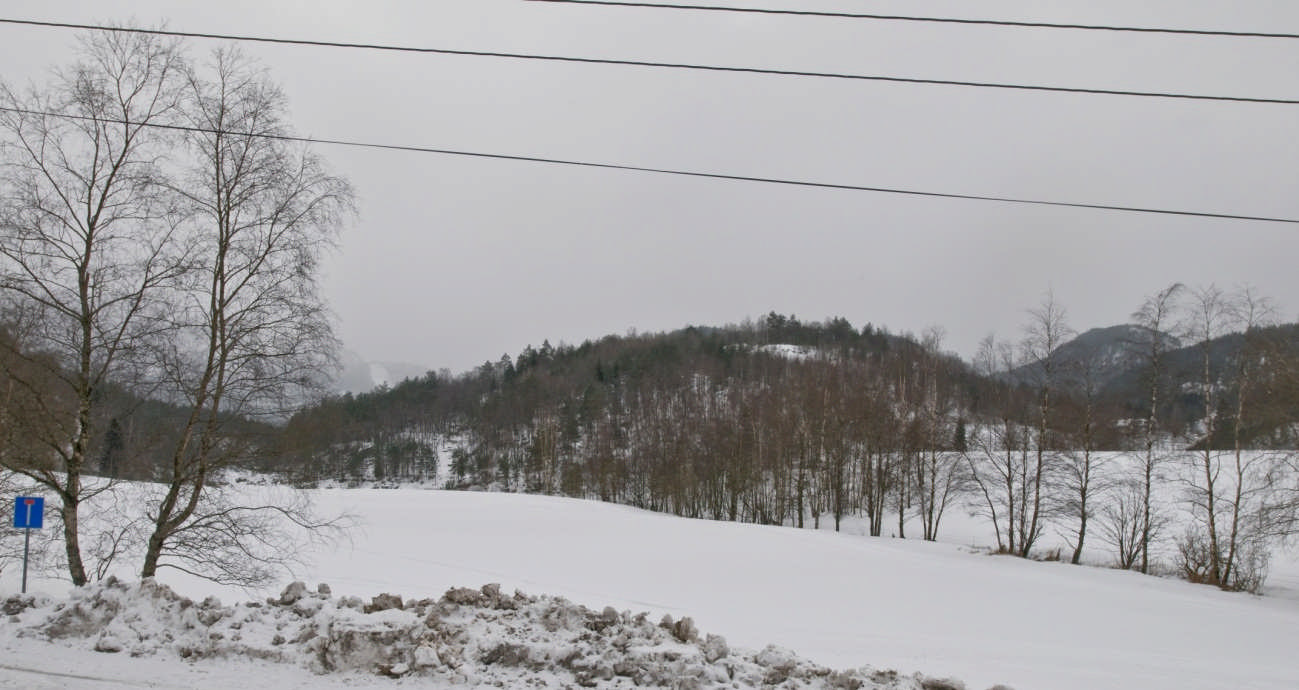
{"x":840,"y":600}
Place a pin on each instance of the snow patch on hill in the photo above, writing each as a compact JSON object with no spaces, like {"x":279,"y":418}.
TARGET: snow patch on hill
{"x":784,"y":350}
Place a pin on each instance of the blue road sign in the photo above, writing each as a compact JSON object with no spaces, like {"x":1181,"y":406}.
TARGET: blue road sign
{"x":29,"y":512}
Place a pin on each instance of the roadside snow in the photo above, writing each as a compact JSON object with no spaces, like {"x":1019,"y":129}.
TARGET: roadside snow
{"x":469,"y":637}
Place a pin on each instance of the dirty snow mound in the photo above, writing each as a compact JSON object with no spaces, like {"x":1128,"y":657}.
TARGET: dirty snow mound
{"x":468,"y":636}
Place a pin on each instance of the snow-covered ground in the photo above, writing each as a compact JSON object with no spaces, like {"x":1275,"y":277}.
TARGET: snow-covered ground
{"x":840,"y":600}
{"x":477,"y":637}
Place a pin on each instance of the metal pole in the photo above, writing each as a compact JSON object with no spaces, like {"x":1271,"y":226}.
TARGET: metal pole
{"x":27,"y":541}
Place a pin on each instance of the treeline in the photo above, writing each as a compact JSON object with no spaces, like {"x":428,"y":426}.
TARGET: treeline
{"x":791,"y":422}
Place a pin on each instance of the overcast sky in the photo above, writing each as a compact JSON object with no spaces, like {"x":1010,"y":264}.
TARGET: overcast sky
{"x":454,"y":261}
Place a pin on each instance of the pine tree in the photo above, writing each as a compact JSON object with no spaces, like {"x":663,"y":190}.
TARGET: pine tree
{"x":110,"y":463}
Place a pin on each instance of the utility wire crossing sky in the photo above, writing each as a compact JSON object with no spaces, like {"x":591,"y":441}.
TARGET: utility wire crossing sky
{"x":665,"y":171}
{"x":936,"y":20}
{"x":1114,"y":147}
{"x":663,"y":65}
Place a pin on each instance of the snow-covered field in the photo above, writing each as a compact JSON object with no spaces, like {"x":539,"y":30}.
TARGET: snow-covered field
{"x":839,"y":600}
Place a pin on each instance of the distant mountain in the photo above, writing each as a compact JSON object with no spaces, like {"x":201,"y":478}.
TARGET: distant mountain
{"x":1116,"y":359}
{"x":357,"y":375}
{"x":1106,"y":354}
{"x":1113,"y":350}
{"x":1184,"y":368}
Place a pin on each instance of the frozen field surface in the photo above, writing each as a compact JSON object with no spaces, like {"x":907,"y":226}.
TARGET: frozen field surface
{"x":839,"y":600}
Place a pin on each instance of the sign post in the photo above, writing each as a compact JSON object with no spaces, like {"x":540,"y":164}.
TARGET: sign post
{"x":29,"y":514}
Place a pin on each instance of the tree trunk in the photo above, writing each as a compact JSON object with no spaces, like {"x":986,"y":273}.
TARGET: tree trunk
{"x":72,"y":544}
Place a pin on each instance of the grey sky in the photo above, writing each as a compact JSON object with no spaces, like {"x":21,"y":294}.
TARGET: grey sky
{"x":454,"y":261}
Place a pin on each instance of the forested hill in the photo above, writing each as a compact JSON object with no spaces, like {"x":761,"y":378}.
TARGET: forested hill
{"x":771,"y":421}
{"x":570,"y":418}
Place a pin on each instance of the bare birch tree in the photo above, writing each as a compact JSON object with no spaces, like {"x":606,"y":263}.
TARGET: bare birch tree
{"x":86,"y":241}
{"x":996,"y":465}
{"x":1046,"y":330}
{"x":1084,"y":475}
{"x":251,"y":334}
{"x":1155,"y":317}
{"x":940,"y":475}
{"x":1209,"y":319}
{"x":1238,"y":499}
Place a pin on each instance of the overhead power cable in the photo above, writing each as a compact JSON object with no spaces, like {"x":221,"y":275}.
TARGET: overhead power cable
{"x":937,"y":20}
{"x":665,"y":65}
{"x":666,"y":171}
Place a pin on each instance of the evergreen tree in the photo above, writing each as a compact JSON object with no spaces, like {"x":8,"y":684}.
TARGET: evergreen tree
{"x":110,"y":463}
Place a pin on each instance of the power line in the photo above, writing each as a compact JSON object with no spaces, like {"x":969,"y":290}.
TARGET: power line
{"x":938,"y":20}
{"x":665,"y":171}
{"x":665,"y":65}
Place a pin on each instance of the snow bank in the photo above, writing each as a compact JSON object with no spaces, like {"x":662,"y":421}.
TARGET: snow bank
{"x":468,"y":636}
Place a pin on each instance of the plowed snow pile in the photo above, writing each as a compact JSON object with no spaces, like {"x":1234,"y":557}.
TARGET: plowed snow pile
{"x":468,"y":636}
